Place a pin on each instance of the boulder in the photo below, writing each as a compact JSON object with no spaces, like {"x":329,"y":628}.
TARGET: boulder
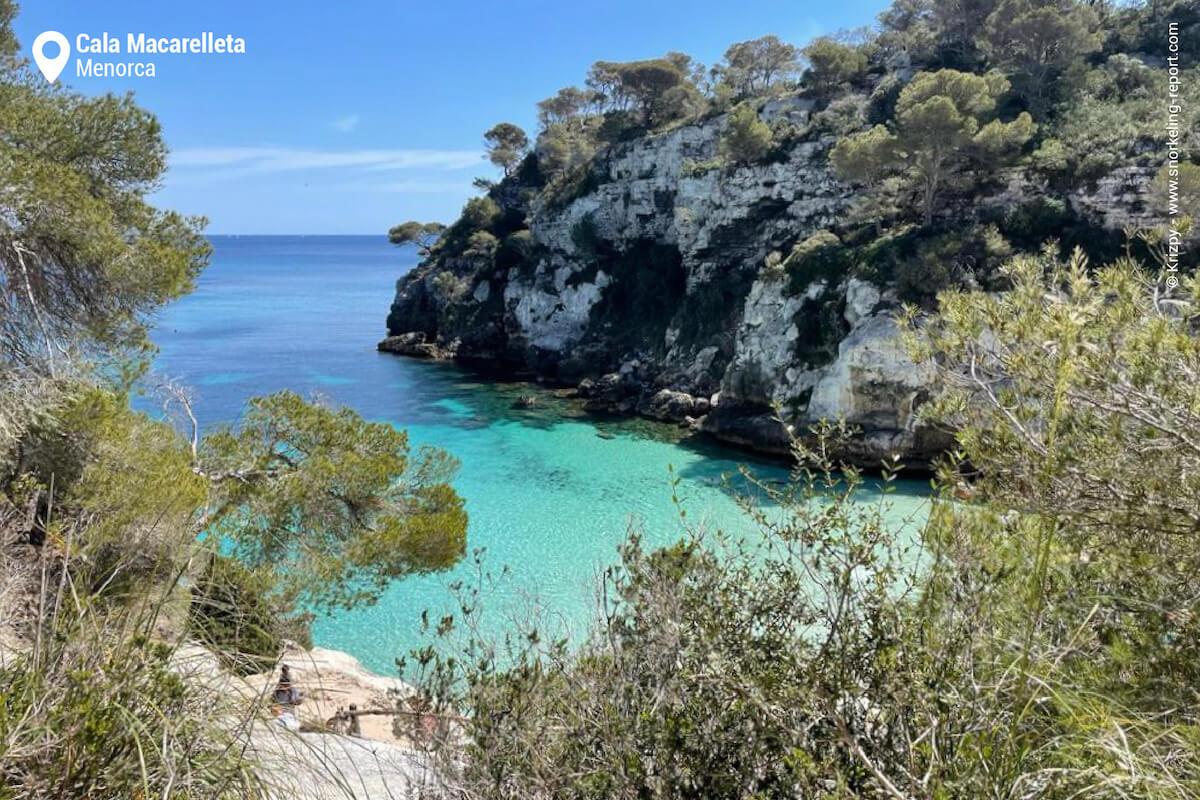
{"x":611,"y":394}
{"x":666,"y":404}
{"x":409,"y":344}
{"x":861,"y":299}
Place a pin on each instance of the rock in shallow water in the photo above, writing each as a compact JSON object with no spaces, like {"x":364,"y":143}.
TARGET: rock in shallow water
{"x":409,"y":344}
{"x":668,"y":405}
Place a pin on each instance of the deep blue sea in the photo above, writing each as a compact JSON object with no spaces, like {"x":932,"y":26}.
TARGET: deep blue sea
{"x":550,"y":493}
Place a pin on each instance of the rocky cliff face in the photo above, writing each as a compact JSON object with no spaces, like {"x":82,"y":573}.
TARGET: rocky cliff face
{"x":654,"y":289}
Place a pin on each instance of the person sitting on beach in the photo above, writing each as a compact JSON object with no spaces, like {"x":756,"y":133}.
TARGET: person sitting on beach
{"x":285,"y":698}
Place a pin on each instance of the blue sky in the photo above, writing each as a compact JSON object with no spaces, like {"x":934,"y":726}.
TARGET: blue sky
{"x":349,"y":117}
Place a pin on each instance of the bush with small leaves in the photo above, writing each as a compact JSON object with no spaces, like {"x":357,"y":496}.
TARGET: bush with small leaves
{"x":746,"y":138}
{"x":833,"y":65}
{"x":480,"y":213}
{"x":482,"y":245}
{"x":820,"y":257}
{"x":842,"y":117}
{"x":231,"y":615}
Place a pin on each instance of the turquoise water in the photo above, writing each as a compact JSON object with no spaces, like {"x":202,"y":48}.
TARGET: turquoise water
{"x":550,"y":492}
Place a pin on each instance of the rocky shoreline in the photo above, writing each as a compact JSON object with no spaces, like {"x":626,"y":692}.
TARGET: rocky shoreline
{"x":728,"y":420}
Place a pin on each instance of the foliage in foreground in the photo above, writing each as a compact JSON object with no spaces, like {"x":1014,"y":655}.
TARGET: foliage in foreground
{"x":96,"y":704}
{"x":333,"y":506}
{"x":1037,"y":639}
{"x":108,"y":516}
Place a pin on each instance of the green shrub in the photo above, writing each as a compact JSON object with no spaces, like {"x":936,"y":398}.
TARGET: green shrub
{"x":448,"y":285}
{"x":821,"y":256}
{"x":1031,"y":223}
{"x":934,"y":267}
{"x":1051,"y":157}
{"x":230,"y":612}
{"x":882,"y":102}
{"x":833,"y":65}
{"x":96,"y":710}
{"x":481,"y":245}
{"x":480,"y":212}
{"x":746,"y":139}
{"x":944,"y":260}
{"x":692,"y":168}
{"x":843,"y":116}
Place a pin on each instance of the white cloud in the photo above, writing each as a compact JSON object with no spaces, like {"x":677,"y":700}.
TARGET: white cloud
{"x":347,"y":124}
{"x":242,"y":160}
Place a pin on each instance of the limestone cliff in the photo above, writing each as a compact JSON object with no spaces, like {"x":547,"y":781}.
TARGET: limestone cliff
{"x":656,"y":285}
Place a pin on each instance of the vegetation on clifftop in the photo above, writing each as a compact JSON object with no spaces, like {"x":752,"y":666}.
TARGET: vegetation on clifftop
{"x":949,"y":123}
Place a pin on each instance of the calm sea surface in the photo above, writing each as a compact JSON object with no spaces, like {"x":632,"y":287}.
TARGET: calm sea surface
{"x":550,"y":495}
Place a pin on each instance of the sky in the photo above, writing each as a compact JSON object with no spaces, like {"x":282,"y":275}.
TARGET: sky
{"x":346,"y":118}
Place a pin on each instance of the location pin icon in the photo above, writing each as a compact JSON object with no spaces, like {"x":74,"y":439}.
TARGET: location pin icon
{"x":51,"y":67}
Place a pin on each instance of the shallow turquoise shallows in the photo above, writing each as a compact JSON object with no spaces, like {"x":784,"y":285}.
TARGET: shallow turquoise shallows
{"x":550,"y":494}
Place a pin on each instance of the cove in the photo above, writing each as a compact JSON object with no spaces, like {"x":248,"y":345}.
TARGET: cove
{"x":550,"y":492}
